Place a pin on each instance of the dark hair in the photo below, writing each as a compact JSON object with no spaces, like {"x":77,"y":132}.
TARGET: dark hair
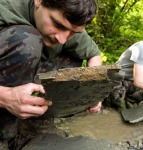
{"x":77,"y":12}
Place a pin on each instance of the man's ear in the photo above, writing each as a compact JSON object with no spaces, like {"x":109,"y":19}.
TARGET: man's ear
{"x":37,"y":3}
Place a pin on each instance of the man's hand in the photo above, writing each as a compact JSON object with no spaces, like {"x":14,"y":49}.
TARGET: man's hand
{"x":20,"y":102}
{"x":96,"y":109}
{"x":95,"y":61}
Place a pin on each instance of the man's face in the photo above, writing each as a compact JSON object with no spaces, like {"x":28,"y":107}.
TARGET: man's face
{"x":53,"y":26}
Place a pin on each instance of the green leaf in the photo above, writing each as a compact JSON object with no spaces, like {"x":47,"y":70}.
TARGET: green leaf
{"x":84,"y":63}
{"x":35,"y":93}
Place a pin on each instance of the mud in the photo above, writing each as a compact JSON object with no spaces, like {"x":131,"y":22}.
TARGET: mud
{"x":108,"y":125}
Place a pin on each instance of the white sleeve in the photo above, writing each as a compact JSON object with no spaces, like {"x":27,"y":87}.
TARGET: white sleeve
{"x":137,"y":52}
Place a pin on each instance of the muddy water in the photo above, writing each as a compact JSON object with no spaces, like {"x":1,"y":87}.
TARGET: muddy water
{"x":107,"y":125}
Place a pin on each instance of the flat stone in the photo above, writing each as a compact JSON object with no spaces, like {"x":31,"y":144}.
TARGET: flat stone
{"x":55,"y":142}
{"x":73,"y":90}
{"x":133,"y":115}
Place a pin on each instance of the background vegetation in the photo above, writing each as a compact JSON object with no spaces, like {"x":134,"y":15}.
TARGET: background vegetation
{"x":117,"y":25}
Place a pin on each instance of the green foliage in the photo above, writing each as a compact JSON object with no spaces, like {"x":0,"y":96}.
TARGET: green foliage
{"x":117,"y":25}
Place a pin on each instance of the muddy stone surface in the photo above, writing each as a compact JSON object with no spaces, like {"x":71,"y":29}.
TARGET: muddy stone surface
{"x":104,"y":72}
{"x":83,"y":131}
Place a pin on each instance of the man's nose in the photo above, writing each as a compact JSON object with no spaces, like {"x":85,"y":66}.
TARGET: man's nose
{"x":62,"y":36}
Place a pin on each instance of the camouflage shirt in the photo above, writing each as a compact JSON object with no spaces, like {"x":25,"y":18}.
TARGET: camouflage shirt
{"x":21,"y":12}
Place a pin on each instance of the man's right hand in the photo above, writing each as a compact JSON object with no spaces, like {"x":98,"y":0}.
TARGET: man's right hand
{"x":20,"y":102}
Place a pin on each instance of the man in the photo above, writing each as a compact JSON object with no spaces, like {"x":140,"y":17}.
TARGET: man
{"x":130,"y":92}
{"x":131,"y":62}
{"x":25,"y":27}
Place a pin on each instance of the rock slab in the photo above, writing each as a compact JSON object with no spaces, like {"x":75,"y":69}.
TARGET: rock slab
{"x":74,"y":90}
{"x":133,"y":115}
{"x":55,"y":142}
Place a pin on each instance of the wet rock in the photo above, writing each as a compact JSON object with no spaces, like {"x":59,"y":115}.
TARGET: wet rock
{"x":55,"y":142}
{"x":133,"y":115}
{"x":4,"y":145}
{"x":30,"y":128}
{"x":74,"y":90}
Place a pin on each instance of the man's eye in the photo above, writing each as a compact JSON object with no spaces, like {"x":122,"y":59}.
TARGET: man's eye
{"x":73,"y":33}
{"x":59,"y":26}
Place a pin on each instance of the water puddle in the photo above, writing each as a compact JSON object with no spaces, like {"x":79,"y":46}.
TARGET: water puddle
{"x":109,"y":126}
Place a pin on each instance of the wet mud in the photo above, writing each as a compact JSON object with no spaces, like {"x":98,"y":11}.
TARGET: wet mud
{"x":108,"y":125}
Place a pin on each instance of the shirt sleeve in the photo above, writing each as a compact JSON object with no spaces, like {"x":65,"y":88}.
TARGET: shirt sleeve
{"x":81,"y":46}
{"x":137,"y":52}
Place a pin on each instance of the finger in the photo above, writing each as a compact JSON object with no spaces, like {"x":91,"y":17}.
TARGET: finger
{"x":40,"y":102}
{"x":96,"y":108}
{"x":39,"y":88}
{"x":29,"y":114}
{"x":34,"y":100}
{"x":26,"y":116}
{"x":32,"y":110}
